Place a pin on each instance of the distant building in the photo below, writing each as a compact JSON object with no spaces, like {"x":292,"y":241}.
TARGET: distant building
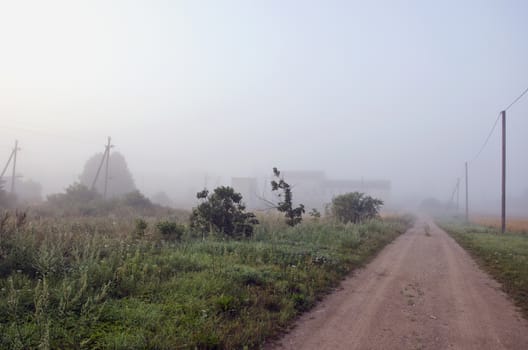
{"x":310,"y":188}
{"x":314,"y":190}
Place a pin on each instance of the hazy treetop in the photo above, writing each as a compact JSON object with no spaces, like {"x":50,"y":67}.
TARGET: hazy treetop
{"x":120,"y":180}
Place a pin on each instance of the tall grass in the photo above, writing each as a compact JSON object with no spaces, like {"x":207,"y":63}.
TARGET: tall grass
{"x":95,"y":284}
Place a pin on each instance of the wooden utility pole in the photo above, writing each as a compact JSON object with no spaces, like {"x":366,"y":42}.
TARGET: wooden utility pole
{"x":7,"y":164}
{"x":13,"y":176}
{"x":503,"y":204}
{"x":467,"y":195}
{"x":106,"y":168}
{"x":104,"y":160}
{"x":99,"y":169}
{"x":458,"y":195}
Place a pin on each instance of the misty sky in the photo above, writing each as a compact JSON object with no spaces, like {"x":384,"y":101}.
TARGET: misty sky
{"x":398,"y":90}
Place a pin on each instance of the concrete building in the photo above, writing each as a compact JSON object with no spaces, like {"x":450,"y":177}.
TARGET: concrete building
{"x":310,"y":188}
{"x":314,"y":190}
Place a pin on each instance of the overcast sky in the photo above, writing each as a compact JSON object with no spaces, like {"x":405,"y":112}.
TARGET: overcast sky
{"x":398,"y":90}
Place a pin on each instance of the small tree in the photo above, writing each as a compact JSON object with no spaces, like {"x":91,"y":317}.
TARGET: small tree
{"x":355,"y":207}
{"x":122,"y":181}
{"x":293,"y":215}
{"x":223,"y":212}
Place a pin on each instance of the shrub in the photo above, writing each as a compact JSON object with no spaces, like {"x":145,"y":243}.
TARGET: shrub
{"x":355,"y":207}
{"x":222,"y":212}
{"x":169,"y":228}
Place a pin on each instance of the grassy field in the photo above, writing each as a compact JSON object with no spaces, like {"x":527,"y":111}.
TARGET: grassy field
{"x":95,"y":284}
{"x":519,"y":225}
{"x":504,"y":256}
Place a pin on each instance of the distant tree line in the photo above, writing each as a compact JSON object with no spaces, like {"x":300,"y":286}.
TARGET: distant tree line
{"x":221,"y":211}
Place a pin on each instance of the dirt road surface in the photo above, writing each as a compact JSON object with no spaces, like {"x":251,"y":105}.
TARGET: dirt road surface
{"x":423,"y":291}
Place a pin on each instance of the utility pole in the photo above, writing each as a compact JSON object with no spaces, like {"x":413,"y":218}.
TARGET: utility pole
{"x":7,"y":164}
{"x":99,"y":169}
{"x":13,"y":176}
{"x":452,"y":198}
{"x":108,"y":146}
{"x":458,"y":195}
{"x":467,"y":195}
{"x":503,"y":204}
{"x":104,"y":160}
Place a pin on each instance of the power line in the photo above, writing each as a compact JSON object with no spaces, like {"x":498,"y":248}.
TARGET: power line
{"x":517,"y":99}
{"x":495,"y":124}
{"x":487,"y":139}
{"x":76,"y":136}
{"x":502,"y":115}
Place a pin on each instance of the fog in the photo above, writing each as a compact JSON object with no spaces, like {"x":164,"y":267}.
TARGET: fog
{"x":196,"y":92}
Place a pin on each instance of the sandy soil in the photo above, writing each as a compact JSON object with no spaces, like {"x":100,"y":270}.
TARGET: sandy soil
{"x":423,"y":291}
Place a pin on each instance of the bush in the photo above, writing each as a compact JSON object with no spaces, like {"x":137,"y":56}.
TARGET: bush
{"x":223,"y":212}
{"x":355,"y":207}
{"x":169,"y":228}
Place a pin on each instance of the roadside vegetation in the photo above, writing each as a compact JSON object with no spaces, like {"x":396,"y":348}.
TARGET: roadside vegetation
{"x":355,"y":207}
{"x":83,"y":272}
{"x":504,"y":256}
{"x":90,"y":283}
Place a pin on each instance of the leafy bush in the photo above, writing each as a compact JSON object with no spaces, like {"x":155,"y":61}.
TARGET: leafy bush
{"x":169,"y":228}
{"x":293,"y":215}
{"x":222,"y":212}
{"x":355,"y":207}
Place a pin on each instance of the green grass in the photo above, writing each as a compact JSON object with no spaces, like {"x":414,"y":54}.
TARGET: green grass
{"x":504,"y":256}
{"x":71,"y":285}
